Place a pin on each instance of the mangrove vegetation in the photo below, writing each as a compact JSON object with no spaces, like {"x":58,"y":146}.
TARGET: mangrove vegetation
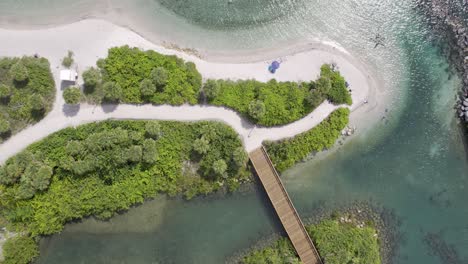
{"x":337,"y":242}
{"x":130,"y":75}
{"x":27,"y":92}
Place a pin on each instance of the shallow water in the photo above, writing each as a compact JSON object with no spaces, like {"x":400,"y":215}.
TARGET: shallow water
{"x":412,"y":162}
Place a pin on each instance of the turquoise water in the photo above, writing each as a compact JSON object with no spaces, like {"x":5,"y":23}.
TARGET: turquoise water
{"x":412,"y":163}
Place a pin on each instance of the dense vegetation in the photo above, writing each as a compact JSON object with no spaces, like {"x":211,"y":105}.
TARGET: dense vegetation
{"x":280,"y":252}
{"x":286,"y":153}
{"x":337,"y":243}
{"x":19,"y":250}
{"x":102,"y":168}
{"x":72,"y":95}
{"x":278,"y":103}
{"x":130,"y":75}
{"x":27,"y":92}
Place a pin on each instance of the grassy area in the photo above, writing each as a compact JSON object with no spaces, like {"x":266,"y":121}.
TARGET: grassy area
{"x":286,"y":153}
{"x":337,"y":243}
{"x":278,"y":103}
{"x":27,"y":92}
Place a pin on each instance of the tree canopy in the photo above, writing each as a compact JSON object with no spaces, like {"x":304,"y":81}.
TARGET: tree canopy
{"x":27,"y":92}
{"x":285,"y":153}
{"x":19,"y":72}
{"x":175,"y":82}
{"x":72,"y":95}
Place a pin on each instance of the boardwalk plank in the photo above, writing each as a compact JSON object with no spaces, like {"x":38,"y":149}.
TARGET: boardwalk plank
{"x":284,"y":208}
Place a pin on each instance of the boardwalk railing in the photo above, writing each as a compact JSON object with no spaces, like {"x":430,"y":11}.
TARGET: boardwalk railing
{"x":284,"y":208}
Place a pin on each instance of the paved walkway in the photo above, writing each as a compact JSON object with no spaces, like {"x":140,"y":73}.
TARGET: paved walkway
{"x":54,"y":42}
{"x":251,"y":136}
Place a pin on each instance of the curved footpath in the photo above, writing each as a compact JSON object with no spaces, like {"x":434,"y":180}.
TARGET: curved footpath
{"x":90,"y":40}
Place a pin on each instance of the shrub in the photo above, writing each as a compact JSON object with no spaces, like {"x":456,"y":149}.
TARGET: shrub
{"x":345,"y":243}
{"x":41,"y":179}
{"x":281,"y":251}
{"x":147,"y":87}
{"x":211,"y":89}
{"x":153,"y":129}
{"x":333,"y":86}
{"x":336,"y":242}
{"x":5,"y":91}
{"x":284,"y":102}
{"x":286,"y":153}
{"x":91,"y":78}
{"x":179,"y":82}
{"x":20,"y":250}
{"x":4,"y":126}
{"x":240,"y":157}
{"x":37,"y":102}
{"x":19,"y":72}
{"x":112,"y":91}
{"x":20,"y":99}
{"x":102,"y":168}
{"x":201,"y":145}
{"x":150,"y":151}
{"x":159,"y":76}
{"x":68,"y":60}
{"x":72,"y":95}
{"x":74,"y":147}
{"x":256,"y":109}
{"x":219,"y":167}
{"x":135,"y":154}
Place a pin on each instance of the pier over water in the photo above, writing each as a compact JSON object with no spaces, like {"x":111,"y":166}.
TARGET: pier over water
{"x":291,"y":221}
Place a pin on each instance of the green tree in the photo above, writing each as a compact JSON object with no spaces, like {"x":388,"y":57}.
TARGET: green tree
{"x":83,"y":167}
{"x":219,"y":167}
{"x":19,"y":72}
{"x":4,"y":126}
{"x":147,"y":87}
{"x":153,"y":129}
{"x":37,"y":102}
{"x":135,"y":153}
{"x":112,"y":91}
{"x":5,"y":91}
{"x":150,"y":151}
{"x":74,"y":147}
{"x":91,"y":78}
{"x":201,"y":145}
{"x":240,"y":157}
{"x":25,"y":190}
{"x":160,"y":77}
{"x":41,"y":179}
{"x":10,"y":173}
{"x":257,"y":109}
{"x":20,"y":250}
{"x":314,"y":98}
{"x":211,"y":89}
{"x":72,"y":95}
{"x":68,"y":60}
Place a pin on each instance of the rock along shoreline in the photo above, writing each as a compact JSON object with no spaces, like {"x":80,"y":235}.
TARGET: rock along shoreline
{"x":449,"y":20}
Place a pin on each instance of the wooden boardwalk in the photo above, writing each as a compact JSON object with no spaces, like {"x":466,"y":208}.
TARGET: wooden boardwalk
{"x":284,"y":208}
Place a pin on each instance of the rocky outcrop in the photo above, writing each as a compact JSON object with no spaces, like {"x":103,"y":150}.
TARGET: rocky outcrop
{"x":449,"y":20}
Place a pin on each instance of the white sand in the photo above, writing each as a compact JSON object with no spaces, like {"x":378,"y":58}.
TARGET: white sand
{"x":90,"y":40}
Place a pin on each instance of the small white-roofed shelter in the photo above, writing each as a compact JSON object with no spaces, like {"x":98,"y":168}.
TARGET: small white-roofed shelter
{"x":68,"y":75}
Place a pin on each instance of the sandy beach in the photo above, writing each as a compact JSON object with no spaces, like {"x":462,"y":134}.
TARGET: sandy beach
{"x":90,"y":40}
